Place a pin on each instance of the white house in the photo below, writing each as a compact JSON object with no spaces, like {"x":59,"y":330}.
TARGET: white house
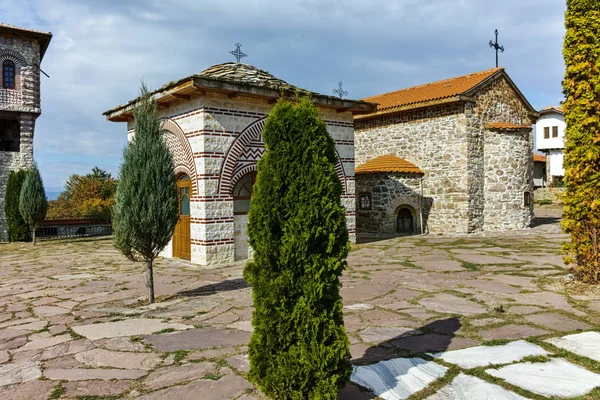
{"x":550,"y":139}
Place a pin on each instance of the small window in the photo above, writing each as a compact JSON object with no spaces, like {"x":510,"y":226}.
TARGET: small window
{"x":527,"y":198}
{"x":555,"y":131}
{"x":8,"y":74}
{"x":365,"y":201}
{"x":547,"y":132}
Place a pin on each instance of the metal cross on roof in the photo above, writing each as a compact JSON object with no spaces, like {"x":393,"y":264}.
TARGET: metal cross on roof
{"x":238,"y":53}
{"x":496,"y":46}
{"x":340,"y":92}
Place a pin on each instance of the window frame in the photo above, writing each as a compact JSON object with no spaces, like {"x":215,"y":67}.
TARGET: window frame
{"x":369,"y":198}
{"x":6,"y":65}
{"x":555,"y":131}
{"x":546,"y":132}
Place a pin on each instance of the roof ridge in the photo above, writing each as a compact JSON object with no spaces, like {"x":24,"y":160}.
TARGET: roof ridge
{"x":5,"y":25}
{"x":438,"y":82}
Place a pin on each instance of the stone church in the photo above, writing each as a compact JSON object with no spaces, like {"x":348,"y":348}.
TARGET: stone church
{"x":21,"y":52}
{"x":449,"y":156}
{"x":213,"y":124}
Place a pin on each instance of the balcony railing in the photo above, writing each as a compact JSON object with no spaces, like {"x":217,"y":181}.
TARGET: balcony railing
{"x":71,"y":228}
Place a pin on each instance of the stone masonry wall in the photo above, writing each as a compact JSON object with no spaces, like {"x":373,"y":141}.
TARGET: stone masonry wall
{"x":435,"y":140}
{"x":22,"y":104}
{"x":388,"y":193}
{"x":501,"y":168}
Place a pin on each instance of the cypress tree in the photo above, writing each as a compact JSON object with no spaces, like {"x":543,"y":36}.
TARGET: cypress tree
{"x":297,"y":228}
{"x":33,"y":203}
{"x":146,"y":203}
{"x":581,"y":87}
{"x":18,"y":231}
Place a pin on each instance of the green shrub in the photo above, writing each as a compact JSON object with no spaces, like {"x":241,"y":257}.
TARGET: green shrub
{"x":544,"y":202}
{"x":297,"y":228}
{"x":146,"y":206}
{"x":581,"y":87}
{"x":18,"y":231}
{"x":33,"y":203}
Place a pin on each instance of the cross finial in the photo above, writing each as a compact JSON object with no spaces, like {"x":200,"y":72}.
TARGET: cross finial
{"x":496,"y":46}
{"x":340,"y":92}
{"x":238,"y":53}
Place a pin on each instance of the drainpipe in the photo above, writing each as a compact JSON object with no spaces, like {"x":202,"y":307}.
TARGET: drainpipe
{"x":421,"y":205}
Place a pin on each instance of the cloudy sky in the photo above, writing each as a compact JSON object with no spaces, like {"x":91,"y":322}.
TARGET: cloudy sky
{"x":101,"y":49}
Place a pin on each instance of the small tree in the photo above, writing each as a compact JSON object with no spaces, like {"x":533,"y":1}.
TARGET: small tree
{"x":18,"y":231}
{"x":297,"y":228}
{"x":581,"y":87}
{"x":33,"y":203}
{"x":146,"y":203}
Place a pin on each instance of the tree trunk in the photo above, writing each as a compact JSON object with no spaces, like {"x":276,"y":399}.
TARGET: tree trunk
{"x":149,"y":281}
{"x":33,"y":235}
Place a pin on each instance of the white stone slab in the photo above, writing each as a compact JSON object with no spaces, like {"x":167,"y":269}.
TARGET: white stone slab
{"x":465,"y":387}
{"x":131,"y":327}
{"x":482,"y":356}
{"x":358,"y":307}
{"x":558,"y":378}
{"x":399,"y":378}
{"x":586,"y":344}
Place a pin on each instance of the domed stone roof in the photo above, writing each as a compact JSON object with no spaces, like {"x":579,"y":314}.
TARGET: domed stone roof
{"x":244,"y":74}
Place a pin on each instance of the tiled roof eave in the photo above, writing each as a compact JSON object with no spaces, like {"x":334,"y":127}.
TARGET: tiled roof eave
{"x":389,"y":172}
{"x":416,"y":106}
{"x":202,"y":83}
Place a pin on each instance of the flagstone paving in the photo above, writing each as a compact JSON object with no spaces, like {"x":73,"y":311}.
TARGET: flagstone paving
{"x":472,"y":308}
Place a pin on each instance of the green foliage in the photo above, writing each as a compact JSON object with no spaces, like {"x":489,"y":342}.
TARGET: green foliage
{"x":146,"y":204}
{"x":581,"y":87}
{"x":297,"y":228}
{"x":86,"y":196}
{"x":18,"y":231}
{"x":33,"y":203}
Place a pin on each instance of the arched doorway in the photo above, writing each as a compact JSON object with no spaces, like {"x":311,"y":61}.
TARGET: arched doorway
{"x":182,"y":245}
{"x":242,"y":192}
{"x":405,"y":224}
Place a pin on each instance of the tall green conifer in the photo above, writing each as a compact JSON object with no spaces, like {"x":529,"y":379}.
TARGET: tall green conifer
{"x":297,"y":228}
{"x":33,"y":203}
{"x":18,"y":231}
{"x":581,"y":87}
{"x":146,"y":203}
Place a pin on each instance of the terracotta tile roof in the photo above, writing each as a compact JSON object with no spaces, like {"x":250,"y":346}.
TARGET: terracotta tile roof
{"x":539,"y":158}
{"x":387,"y":164}
{"x":431,"y":91}
{"x":505,"y":126}
{"x":551,"y":109}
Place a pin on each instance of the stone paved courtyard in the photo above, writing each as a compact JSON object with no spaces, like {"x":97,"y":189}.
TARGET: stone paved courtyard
{"x":73,"y":323}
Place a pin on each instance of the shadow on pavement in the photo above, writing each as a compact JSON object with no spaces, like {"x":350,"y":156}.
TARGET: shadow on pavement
{"x":224,"y":286}
{"x":539,"y":221}
{"x":434,"y":337}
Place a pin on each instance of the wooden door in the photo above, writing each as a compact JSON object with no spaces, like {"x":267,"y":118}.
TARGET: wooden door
{"x":182,"y":245}
{"x":404,"y":222}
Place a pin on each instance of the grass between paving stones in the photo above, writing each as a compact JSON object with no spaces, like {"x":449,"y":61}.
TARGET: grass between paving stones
{"x":557,"y":352}
{"x":58,"y":391}
{"x":74,"y":334}
{"x":113,"y":397}
{"x":179,"y":355}
{"x":163,"y":331}
{"x":480,"y":373}
{"x":436,"y":385}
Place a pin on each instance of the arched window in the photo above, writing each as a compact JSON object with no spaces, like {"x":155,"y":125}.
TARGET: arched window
{"x":8,"y":74}
{"x":242,"y":193}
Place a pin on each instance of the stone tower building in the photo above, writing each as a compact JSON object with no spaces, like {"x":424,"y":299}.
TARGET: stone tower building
{"x":449,"y":156}
{"x":213,"y":124}
{"x":21,"y":52}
